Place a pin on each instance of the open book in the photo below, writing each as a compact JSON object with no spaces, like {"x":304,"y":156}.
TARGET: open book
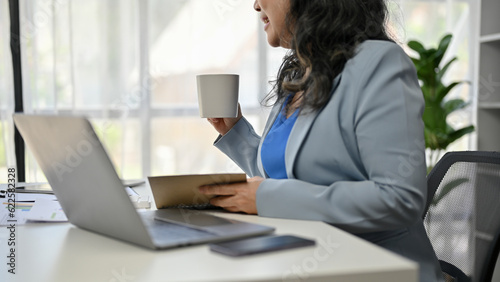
{"x":181,"y":191}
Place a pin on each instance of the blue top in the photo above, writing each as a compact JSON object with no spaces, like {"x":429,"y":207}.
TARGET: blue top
{"x":274,"y":145}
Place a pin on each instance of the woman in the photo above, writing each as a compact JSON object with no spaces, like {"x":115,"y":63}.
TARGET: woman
{"x":344,"y":141}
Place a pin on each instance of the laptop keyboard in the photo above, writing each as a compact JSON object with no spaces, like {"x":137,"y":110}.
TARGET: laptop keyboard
{"x":176,"y":231}
{"x":166,"y":232}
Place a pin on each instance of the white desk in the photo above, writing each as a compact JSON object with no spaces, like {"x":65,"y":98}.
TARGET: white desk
{"x":63,"y":252}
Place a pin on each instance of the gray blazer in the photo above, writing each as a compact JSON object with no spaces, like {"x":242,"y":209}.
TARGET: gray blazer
{"x":357,"y":164}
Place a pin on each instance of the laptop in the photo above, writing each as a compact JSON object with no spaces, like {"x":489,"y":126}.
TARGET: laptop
{"x":93,"y":197}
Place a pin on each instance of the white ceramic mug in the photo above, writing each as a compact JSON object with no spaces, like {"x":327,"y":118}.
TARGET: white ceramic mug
{"x":218,"y":95}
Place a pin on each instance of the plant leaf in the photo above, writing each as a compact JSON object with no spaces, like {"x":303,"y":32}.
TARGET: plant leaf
{"x":416,"y":62}
{"x":453,"y":105}
{"x":431,"y":140}
{"x":434,"y":117}
{"x":442,"y":90}
{"x":417,"y":46}
{"x":452,"y":136}
{"x":447,"y":188}
{"x":443,"y":46}
{"x":438,"y":134}
{"x":445,"y":68}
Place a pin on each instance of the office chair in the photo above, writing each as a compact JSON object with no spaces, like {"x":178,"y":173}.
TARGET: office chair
{"x":462,"y":216}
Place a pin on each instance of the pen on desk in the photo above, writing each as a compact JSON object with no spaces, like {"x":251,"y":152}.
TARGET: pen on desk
{"x":131,"y":192}
{"x":23,"y":190}
{"x":39,"y":188}
{"x":21,"y":204}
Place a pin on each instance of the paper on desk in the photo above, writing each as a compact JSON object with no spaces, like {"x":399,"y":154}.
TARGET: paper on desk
{"x":31,"y":197}
{"x":21,"y":209}
{"x":46,"y":210}
{"x":23,"y":203}
{"x":19,"y":218}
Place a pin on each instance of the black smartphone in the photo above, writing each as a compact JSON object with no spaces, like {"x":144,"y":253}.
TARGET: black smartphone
{"x":260,"y":244}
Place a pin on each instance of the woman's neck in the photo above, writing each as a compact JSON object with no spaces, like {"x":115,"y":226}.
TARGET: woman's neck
{"x":294,"y":103}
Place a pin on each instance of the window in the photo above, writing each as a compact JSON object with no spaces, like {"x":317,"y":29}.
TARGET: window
{"x":427,"y":22}
{"x":132,"y":69}
{"x":130,"y":66}
{"x":7,"y":157}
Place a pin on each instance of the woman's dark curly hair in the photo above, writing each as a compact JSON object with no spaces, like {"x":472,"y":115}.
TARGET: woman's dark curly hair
{"x":325,"y":34}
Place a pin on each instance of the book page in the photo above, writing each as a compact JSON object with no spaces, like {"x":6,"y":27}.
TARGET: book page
{"x":182,"y":190}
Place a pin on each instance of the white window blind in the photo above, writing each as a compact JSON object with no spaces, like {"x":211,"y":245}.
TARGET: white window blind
{"x":130,"y":66}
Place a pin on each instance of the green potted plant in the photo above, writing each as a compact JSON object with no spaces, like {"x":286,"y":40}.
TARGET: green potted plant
{"x":438,"y":133}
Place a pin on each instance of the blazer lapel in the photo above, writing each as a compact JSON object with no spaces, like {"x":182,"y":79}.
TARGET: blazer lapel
{"x":299,"y":133}
{"x":297,"y":136}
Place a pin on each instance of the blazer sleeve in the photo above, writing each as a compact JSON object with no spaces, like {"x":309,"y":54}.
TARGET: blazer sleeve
{"x":241,"y":145}
{"x":387,"y":140}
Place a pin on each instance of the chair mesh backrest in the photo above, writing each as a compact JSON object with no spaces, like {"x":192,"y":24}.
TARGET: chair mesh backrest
{"x":464,"y":216}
